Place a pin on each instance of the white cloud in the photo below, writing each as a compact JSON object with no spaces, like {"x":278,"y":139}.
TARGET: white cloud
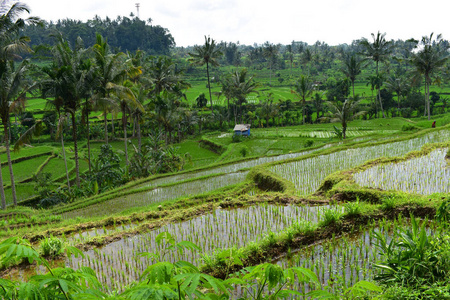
{"x":280,"y":21}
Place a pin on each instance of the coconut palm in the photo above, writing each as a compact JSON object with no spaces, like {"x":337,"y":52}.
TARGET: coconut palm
{"x":268,"y":109}
{"x":238,"y":87}
{"x":206,"y":55}
{"x":270,"y":52}
{"x":378,"y":50}
{"x":110,"y":69}
{"x":352,"y":67}
{"x":11,"y":76}
{"x":127,"y":101}
{"x":67,"y":79}
{"x":346,"y":113}
{"x":57,"y":105}
{"x":303,"y":89}
{"x":400,"y":85}
{"x":428,"y":61}
{"x":12,"y":84}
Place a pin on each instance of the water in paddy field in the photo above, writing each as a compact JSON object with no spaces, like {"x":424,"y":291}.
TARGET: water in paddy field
{"x":341,"y":262}
{"x":424,"y":175}
{"x":231,"y":168}
{"x":159,"y":194}
{"x":308,"y":174}
{"x":118,"y":263}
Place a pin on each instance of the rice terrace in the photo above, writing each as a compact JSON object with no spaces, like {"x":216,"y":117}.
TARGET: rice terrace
{"x":132,"y":168}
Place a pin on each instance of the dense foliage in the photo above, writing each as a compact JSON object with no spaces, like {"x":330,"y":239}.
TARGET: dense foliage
{"x":122,"y":33}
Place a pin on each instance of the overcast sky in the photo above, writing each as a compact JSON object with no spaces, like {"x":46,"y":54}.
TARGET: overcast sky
{"x":277,"y":21}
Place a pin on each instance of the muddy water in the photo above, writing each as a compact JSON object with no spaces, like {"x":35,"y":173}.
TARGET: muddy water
{"x":159,"y":194}
{"x":424,"y":175}
{"x":118,"y":263}
{"x":309,"y":173}
{"x":341,"y":262}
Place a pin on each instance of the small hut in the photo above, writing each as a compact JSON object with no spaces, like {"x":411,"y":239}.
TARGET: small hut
{"x":242,"y":129}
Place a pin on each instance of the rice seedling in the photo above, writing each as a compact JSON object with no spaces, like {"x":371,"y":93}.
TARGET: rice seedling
{"x":231,"y":168}
{"x":307,"y":174}
{"x":218,"y":230}
{"x":423,"y":175}
{"x":159,"y":194}
{"x":341,"y":262}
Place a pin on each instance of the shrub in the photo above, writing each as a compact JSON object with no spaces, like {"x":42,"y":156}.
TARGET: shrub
{"x":51,"y":246}
{"x":308,"y":143}
{"x":353,"y":208}
{"x":331,"y":216}
{"x":409,"y":127}
{"x":388,"y":203}
{"x":236,"y":138}
{"x":243,"y":151}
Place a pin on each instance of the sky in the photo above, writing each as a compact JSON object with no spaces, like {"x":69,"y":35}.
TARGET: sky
{"x":257,"y":21}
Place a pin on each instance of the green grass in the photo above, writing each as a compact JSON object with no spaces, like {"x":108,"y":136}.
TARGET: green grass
{"x":57,"y":169}
{"x":26,"y":151}
{"x":23,"y":170}
{"x":23,"y":191}
{"x":199,"y":156}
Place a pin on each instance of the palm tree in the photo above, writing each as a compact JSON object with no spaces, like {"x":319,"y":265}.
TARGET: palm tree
{"x":352,"y":67}
{"x":206,"y":54}
{"x":11,"y":76}
{"x":109,"y":70}
{"x":123,"y":95}
{"x":164,"y":76}
{"x":268,"y":109}
{"x":428,"y":60}
{"x":399,"y":85}
{"x":238,"y":86}
{"x":318,"y":104}
{"x":57,"y":105}
{"x":346,"y":113}
{"x":270,"y":51}
{"x":379,"y":50}
{"x":303,"y":89}
{"x":67,"y":78}
{"x":12,"y":81}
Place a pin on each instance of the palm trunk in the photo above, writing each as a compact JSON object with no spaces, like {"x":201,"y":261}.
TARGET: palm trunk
{"x":105,"y":118}
{"x":88,"y":136}
{"x":209,"y":87}
{"x":8,"y":155}
{"x":139,"y":133}
{"x":303,"y":112}
{"x":75,"y":149}
{"x":2,"y":190}
{"x":112,"y":125}
{"x":65,"y":160}
{"x":381,"y":103}
{"x":124,"y":125}
{"x":428,"y":100}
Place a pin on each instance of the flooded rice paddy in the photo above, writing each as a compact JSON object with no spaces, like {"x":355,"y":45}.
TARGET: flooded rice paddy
{"x":422,"y":175}
{"x":118,"y":263}
{"x":308,"y":174}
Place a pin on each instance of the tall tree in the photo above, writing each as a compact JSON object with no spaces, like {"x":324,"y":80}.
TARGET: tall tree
{"x":238,"y":86}
{"x":270,"y":53}
{"x":399,"y":85}
{"x":206,"y":55}
{"x":352,"y":67}
{"x":303,"y":89}
{"x":378,"y":50}
{"x":346,"y":113}
{"x":428,"y":61}
{"x":124,"y":95}
{"x":12,"y":76}
{"x":66,"y":78}
{"x":109,"y":69}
